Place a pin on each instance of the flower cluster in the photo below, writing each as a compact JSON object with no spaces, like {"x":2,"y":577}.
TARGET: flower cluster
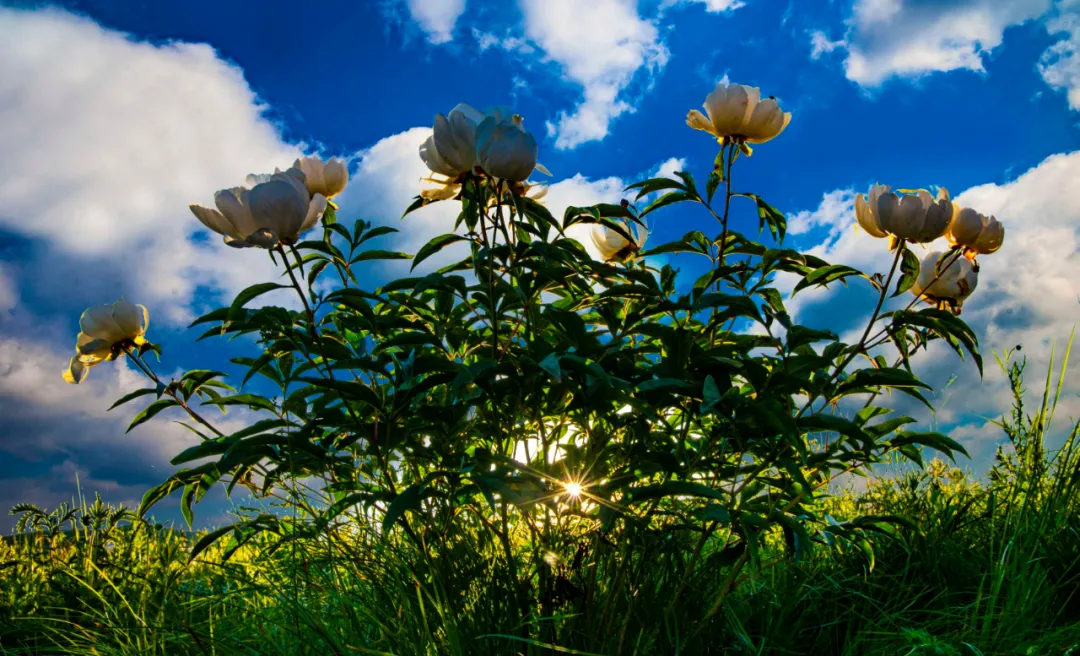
{"x":736,"y":114}
{"x":944,"y":280}
{"x":275,"y":208}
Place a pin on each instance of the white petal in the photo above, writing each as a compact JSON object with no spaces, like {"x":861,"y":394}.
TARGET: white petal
{"x":278,"y":207}
{"x":127,"y":318}
{"x":316,"y":208}
{"x":233,"y":204}
{"x":98,"y":322}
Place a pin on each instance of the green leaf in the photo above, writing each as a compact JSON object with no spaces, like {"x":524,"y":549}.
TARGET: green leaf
{"x":134,"y":395}
{"x":150,"y":411}
{"x":716,"y":176}
{"x":348,"y":389}
{"x":186,"y":500}
{"x":220,"y":314}
{"x":909,"y":272}
{"x":667,"y":199}
{"x":209,"y":539}
{"x":651,"y":185}
{"x":409,"y":499}
{"x":378,"y":231}
{"x":834,"y":424}
{"x":253,"y":401}
{"x":710,"y":394}
{"x":249,"y":294}
{"x":436,"y":245}
{"x":770,"y":216}
{"x":936,"y":441}
{"x":550,"y":364}
{"x":822,"y":276}
{"x":365,"y":256}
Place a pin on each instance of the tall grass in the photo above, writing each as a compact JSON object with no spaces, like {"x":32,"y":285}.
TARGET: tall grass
{"x":988,"y":567}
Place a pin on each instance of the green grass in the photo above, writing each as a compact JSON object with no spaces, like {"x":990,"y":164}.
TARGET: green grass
{"x":987,"y":568}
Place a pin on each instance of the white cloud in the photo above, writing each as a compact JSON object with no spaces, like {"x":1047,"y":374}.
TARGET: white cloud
{"x":1060,"y":64}
{"x":668,"y":167}
{"x":834,"y":213}
{"x":601,"y":45}
{"x":1027,"y":291}
{"x":910,"y":38}
{"x":436,"y":18}
{"x":711,"y":6}
{"x":106,"y":141}
{"x":821,"y":44}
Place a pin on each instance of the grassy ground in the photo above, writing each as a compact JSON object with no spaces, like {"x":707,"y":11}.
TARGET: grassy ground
{"x":991,"y":568}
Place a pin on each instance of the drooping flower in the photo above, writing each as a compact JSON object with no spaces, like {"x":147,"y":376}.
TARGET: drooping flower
{"x":945,"y":286}
{"x":505,"y":149}
{"x":737,"y":113}
{"x":916,"y":217}
{"x":327,"y":179}
{"x":106,"y":331}
{"x":275,"y":210}
{"x":614,"y":246}
{"x":975,"y":233}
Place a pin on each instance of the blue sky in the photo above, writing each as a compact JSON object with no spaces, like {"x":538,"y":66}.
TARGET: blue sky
{"x":115,"y":115}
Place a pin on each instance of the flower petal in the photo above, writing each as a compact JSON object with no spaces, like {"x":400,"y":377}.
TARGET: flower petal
{"x":278,"y":207}
{"x":233,"y":204}
{"x":316,"y":208}
{"x":866,"y":219}
{"x":126,"y":316}
{"x":212,"y":219}
{"x":336,"y":174}
{"x":97,"y":322}
{"x":699,"y":121}
{"x":76,"y":371}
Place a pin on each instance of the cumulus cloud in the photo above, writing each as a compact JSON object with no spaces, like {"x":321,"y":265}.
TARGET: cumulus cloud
{"x":106,"y":141}
{"x":910,"y":38}
{"x":1027,"y":291}
{"x":1060,"y":64}
{"x":53,"y":430}
{"x":601,"y":46}
{"x":436,"y":18}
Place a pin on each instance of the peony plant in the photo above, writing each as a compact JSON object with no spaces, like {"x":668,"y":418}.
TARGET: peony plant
{"x":541,"y":399}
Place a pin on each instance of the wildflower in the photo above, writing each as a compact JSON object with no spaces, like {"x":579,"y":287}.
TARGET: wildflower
{"x":614,"y":246}
{"x":915,"y":217}
{"x":106,"y":332}
{"x":952,"y":285}
{"x":505,"y":150}
{"x":736,"y":113}
{"x":975,"y":233}
{"x":327,"y":179}
{"x":275,"y":210}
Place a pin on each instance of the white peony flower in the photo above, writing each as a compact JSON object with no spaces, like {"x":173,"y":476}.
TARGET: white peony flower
{"x":105,"y":331}
{"x":613,"y":246}
{"x":505,"y":150}
{"x":952,"y":285}
{"x":276,"y":209}
{"x":327,"y":179}
{"x":916,"y":217}
{"x":737,"y":112}
{"x":977,"y":234}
